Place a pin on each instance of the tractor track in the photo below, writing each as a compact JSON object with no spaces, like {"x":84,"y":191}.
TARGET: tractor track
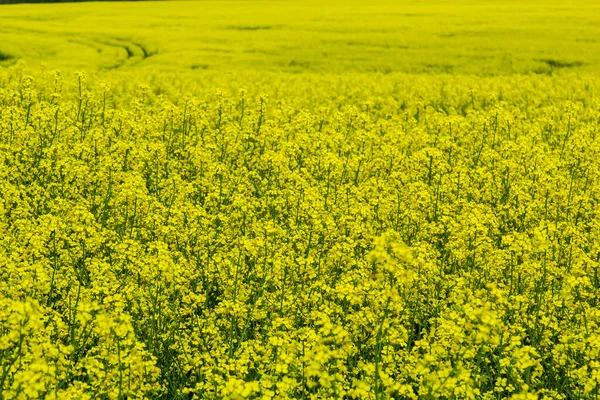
{"x":135,"y":52}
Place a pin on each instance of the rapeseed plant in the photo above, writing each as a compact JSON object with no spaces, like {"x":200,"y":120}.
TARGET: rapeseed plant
{"x":393,"y":237}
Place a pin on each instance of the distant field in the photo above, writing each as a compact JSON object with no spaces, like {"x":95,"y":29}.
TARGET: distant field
{"x":483,"y":38}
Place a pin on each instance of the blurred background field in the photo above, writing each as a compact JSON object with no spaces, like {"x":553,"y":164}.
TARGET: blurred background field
{"x":465,"y":37}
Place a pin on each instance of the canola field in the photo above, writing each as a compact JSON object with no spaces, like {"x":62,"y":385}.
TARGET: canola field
{"x":300,"y":200}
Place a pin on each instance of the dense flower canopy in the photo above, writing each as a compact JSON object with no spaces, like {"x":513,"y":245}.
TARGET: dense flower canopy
{"x":359,"y":237}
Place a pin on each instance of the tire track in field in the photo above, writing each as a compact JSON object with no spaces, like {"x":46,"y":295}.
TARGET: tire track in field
{"x":135,"y":52}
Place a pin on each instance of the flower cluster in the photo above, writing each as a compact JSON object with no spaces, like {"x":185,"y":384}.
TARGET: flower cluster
{"x":354,"y":237}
